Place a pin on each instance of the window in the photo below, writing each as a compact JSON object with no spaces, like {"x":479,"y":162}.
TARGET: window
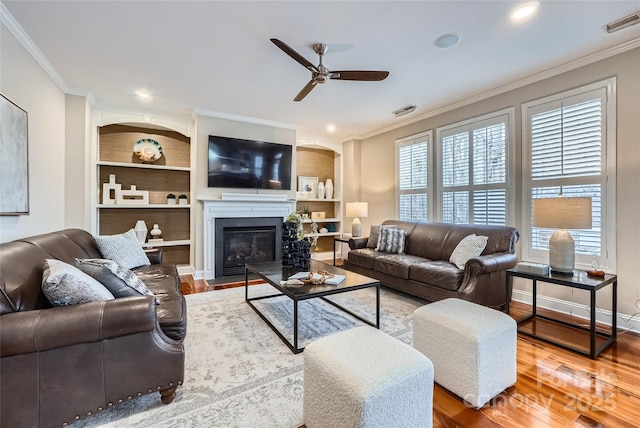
{"x":474,"y":173}
{"x":568,"y":149}
{"x":414,"y":189}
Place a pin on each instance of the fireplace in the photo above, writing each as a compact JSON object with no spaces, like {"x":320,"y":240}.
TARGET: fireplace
{"x":245,"y":240}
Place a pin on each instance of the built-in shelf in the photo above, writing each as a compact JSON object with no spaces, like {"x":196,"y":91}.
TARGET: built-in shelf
{"x":166,"y":243}
{"x":324,"y":220}
{"x":144,"y":206}
{"x":319,"y":235}
{"x":144,"y":166}
{"x":169,"y":174}
{"x":317,"y":200}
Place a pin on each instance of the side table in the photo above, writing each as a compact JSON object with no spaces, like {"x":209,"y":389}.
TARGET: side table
{"x":341,"y":239}
{"x":598,"y":341}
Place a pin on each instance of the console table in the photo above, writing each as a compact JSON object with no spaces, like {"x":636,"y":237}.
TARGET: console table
{"x":598,"y":341}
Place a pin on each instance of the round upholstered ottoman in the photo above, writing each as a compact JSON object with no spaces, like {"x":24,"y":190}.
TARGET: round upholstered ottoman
{"x":363,"y":377}
{"x":472,"y":347}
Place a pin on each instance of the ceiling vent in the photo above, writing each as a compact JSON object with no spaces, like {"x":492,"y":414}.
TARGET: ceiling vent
{"x":404,"y":110}
{"x":621,"y":23}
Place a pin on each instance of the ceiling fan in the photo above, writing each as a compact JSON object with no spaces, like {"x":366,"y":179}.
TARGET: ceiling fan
{"x":321,"y":74}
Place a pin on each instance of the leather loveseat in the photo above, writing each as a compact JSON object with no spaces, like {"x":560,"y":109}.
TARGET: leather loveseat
{"x":59,"y":364}
{"x":424,"y":269}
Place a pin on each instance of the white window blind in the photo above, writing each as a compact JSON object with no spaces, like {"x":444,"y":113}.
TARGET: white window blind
{"x":413,"y":168}
{"x":474,"y":184}
{"x":566,"y":148}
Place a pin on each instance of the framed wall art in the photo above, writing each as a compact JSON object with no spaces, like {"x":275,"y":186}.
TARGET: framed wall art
{"x":14,"y":159}
{"x":308,"y":186}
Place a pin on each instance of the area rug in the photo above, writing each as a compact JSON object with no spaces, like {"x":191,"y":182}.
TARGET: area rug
{"x":238,"y":373}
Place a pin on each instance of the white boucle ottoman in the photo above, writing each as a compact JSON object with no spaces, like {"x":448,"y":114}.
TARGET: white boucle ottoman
{"x":363,"y":377}
{"x":472,"y":347}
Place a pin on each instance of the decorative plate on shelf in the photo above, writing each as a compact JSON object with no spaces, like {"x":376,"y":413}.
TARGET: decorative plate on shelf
{"x":148,"y":150}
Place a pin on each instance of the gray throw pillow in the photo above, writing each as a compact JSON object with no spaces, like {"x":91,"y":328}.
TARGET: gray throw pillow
{"x":374,"y":235}
{"x":64,"y":285}
{"x":121,"y":282}
{"x":391,"y":240}
{"x":123,"y":249}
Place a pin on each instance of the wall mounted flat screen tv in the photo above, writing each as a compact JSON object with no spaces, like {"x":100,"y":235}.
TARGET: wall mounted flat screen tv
{"x":249,"y":164}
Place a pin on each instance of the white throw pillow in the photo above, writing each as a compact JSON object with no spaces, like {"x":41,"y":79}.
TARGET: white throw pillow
{"x":123,"y":249}
{"x":470,"y":246}
{"x":64,"y":284}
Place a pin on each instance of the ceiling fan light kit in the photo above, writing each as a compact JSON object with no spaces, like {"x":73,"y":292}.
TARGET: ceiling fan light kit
{"x":321,"y":74}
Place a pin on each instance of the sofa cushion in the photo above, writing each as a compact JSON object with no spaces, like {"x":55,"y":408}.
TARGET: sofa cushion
{"x":123,"y":249}
{"x":396,"y":264}
{"x":470,"y":246}
{"x":363,"y":257}
{"x":437,"y":273}
{"x":121,"y":282}
{"x":391,"y":240}
{"x":64,"y":284}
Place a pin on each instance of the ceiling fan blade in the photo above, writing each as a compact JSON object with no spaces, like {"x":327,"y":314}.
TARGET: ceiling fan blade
{"x":307,"y":88}
{"x":359,"y":75}
{"x":295,"y":55}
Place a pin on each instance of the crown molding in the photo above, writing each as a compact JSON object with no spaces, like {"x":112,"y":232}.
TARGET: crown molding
{"x":568,"y":66}
{"x":16,"y":29}
{"x":240,"y":118}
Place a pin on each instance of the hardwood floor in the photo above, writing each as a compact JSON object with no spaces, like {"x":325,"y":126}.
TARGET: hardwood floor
{"x":555,"y":387}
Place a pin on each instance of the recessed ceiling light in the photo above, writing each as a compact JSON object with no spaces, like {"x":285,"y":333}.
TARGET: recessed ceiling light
{"x":524,"y":10}
{"x":143,"y":95}
{"x":331,"y":128}
{"x":446,"y":40}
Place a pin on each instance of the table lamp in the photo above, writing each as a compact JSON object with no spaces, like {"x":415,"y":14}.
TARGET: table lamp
{"x":562,"y":213}
{"x":357,"y":210}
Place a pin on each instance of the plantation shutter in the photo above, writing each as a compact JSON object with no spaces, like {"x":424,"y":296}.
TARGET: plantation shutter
{"x":474,"y":172}
{"x":567,"y":154}
{"x":413,"y":179}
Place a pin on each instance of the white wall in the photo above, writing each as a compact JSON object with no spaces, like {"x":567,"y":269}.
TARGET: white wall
{"x":378,"y":155}
{"x":24,"y":82}
{"x":206,"y":126}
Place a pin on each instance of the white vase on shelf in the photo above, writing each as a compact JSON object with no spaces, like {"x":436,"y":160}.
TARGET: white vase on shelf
{"x":141,"y":231}
{"x":328,"y":189}
{"x":321,"y":190}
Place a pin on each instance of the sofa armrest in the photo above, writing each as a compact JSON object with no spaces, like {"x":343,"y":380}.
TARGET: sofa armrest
{"x":40,"y":330}
{"x":490,"y":263}
{"x":356,"y":243}
{"x":154,"y":255}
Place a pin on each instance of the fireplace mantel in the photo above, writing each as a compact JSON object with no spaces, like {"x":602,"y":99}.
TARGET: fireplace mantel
{"x":251,"y":206}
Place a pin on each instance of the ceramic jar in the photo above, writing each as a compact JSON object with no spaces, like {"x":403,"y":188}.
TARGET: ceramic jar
{"x":321,"y":190}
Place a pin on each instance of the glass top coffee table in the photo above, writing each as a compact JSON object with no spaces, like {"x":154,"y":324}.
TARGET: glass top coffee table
{"x":274,"y":272}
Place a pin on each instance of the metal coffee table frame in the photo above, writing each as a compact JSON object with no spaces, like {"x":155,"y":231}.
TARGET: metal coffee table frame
{"x":274,"y":272}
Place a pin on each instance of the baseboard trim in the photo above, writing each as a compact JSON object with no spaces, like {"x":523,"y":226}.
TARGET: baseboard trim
{"x":624,"y":322}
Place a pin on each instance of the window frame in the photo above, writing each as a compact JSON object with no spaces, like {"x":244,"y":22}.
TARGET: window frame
{"x":606,"y":89}
{"x":407,"y":141}
{"x":509,"y":113}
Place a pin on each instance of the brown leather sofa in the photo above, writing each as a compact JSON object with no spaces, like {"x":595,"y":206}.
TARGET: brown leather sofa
{"x":424,"y":269}
{"x":59,"y":364}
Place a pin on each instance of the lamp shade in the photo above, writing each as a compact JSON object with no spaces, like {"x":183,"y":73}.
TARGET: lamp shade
{"x":562,"y":213}
{"x":357,"y":209}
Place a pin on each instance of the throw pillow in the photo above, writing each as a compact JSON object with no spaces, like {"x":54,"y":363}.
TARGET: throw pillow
{"x":391,"y":240}
{"x":64,"y":285}
{"x":123,"y":249}
{"x":470,"y":246}
{"x":121,"y":282}
{"x":374,"y":235}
